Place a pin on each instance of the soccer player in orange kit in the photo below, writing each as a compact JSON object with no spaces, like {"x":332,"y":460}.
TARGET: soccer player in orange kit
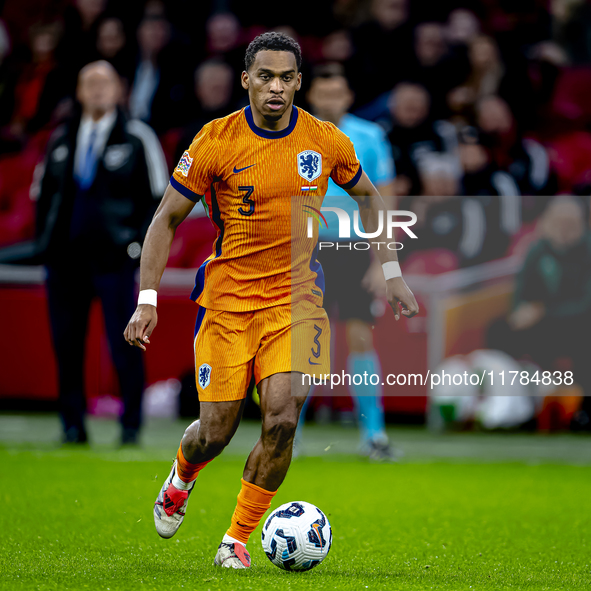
{"x":256,"y":295}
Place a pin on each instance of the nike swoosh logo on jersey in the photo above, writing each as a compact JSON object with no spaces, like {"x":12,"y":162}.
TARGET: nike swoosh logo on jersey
{"x":312,"y":363}
{"x":237,"y":170}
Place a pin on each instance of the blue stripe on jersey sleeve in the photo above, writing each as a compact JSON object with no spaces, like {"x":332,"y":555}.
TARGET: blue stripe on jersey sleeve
{"x":353,"y":181}
{"x":199,"y":321}
{"x":217,"y":220}
{"x":186,"y":192}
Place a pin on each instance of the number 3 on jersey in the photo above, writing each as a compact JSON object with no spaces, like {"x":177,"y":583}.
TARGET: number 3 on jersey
{"x":246,"y":199}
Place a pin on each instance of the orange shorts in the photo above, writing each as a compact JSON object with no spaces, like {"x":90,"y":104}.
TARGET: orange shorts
{"x":231,"y":346}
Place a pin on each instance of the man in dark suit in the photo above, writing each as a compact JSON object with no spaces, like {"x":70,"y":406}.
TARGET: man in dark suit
{"x":103,"y":177}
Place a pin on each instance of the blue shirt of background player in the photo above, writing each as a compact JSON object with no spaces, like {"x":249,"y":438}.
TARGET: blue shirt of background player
{"x":375,"y":154}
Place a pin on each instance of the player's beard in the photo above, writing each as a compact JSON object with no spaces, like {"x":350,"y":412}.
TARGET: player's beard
{"x":274,"y":116}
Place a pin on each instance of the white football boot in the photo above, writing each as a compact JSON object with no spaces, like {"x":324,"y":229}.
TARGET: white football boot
{"x":232,"y":556}
{"x":170,"y":507}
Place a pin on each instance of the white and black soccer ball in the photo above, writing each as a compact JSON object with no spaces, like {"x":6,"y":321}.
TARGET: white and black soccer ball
{"x":297,"y":536}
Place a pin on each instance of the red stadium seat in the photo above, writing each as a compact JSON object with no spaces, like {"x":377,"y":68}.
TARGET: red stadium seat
{"x":17,"y":211}
{"x":169,"y":141}
{"x":431,"y":262}
{"x":193,"y":243}
{"x":15,"y":173}
{"x":570,"y":157}
{"x":571,"y":94}
{"x":18,"y":223}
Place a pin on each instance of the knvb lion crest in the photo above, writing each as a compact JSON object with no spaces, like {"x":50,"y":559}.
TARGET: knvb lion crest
{"x":204,"y":375}
{"x":309,"y":165}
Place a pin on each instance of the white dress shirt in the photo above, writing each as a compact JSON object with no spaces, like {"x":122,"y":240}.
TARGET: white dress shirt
{"x":145,"y":84}
{"x":103,"y":129}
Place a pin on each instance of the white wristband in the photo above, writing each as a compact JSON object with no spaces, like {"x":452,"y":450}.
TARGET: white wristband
{"x":147,"y":296}
{"x":392,"y":270}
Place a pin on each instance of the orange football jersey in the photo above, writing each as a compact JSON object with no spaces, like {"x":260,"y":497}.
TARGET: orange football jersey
{"x":256,"y":186}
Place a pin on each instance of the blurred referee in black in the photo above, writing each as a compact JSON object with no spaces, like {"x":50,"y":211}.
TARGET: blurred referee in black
{"x":103,"y":176}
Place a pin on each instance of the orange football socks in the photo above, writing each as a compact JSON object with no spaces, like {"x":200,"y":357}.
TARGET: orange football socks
{"x":253,"y":502}
{"x":186,"y":471}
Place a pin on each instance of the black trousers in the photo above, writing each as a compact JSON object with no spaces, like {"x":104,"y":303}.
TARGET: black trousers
{"x":344,"y":271}
{"x":70,"y":292}
{"x":548,"y":340}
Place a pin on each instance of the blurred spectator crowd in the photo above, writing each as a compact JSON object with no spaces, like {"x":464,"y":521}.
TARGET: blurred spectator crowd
{"x":485,"y":98}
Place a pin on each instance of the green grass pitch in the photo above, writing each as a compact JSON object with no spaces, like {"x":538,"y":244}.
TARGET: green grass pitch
{"x":82,"y":519}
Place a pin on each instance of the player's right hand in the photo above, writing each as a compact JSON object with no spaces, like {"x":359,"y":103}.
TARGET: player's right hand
{"x":401,"y":298}
{"x":141,"y":325}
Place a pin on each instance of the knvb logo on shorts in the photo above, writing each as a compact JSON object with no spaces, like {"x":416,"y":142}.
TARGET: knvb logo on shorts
{"x":184,"y":164}
{"x":393,"y":219}
{"x":204,"y":375}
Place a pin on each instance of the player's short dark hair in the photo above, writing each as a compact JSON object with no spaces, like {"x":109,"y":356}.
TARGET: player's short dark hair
{"x":272,"y":42}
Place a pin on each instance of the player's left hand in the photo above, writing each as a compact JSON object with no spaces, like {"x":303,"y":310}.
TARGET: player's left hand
{"x":401,"y":298}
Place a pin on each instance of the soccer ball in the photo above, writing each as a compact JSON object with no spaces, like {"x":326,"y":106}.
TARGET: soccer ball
{"x":297,"y":536}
